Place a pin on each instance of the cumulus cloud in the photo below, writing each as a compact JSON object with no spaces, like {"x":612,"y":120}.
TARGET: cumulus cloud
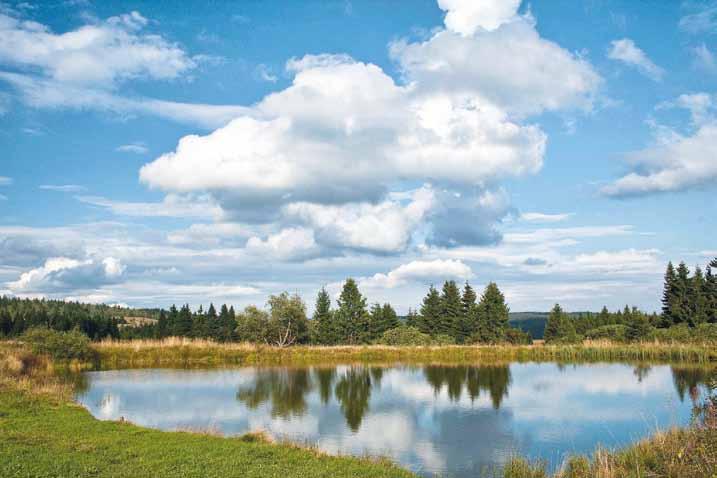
{"x":97,"y":54}
{"x":288,"y":244}
{"x":466,"y":16}
{"x":435,"y":270}
{"x":627,"y":52}
{"x":677,"y":161}
{"x":64,"y":274}
{"x":383,"y":227}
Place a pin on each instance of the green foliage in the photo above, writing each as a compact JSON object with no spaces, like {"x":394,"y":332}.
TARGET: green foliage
{"x":326,"y":332}
{"x":517,"y":337}
{"x":351,"y":316}
{"x":560,"y":328}
{"x":614,"y":332}
{"x":443,"y":339}
{"x":431,"y":311}
{"x":493,"y":315}
{"x":73,"y":345}
{"x":449,"y":322}
{"x":405,"y":335}
{"x":253,"y":325}
{"x":287,"y":320}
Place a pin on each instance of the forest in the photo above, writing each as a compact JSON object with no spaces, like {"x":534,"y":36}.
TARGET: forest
{"x":451,"y":315}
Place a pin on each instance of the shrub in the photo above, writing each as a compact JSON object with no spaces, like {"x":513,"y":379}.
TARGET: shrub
{"x":614,"y":332}
{"x":676,"y":333}
{"x":443,"y":339}
{"x":72,"y":345}
{"x":405,"y":335}
{"x":517,"y":337}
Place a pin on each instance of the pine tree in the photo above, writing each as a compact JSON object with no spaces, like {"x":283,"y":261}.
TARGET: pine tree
{"x":469,"y":310}
{"x":451,"y":310}
{"x":683,"y":303}
{"x":183,"y":323}
{"x":227,"y":324}
{"x":559,"y":326}
{"x":390,"y":319}
{"x":351,"y":316}
{"x":430,"y":312}
{"x":699,"y":307}
{"x":412,"y":318}
{"x":324,"y":318}
{"x":374,"y":321}
{"x":493,"y":315}
{"x":212,"y":327}
{"x":711,"y":293}
{"x":669,"y":297}
{"x":162,"y":325}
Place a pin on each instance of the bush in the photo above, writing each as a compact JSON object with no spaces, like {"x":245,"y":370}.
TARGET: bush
{"x":72,"y":345}
{"x":517,"y":337}
{"x":443,"y":339}
{"x":676,"y":333}
{"x":405,"y":335}
{"x":614,"y":332}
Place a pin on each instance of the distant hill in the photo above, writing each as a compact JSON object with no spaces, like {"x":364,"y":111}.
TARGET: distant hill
{"x":533,"y":322}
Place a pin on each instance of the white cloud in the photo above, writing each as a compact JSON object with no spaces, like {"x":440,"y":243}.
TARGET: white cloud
{"x":135,"y":148}
{"x":626,"y":51}
{"x":704,"y":58}
{"x":51,"y":94}
{"x":61,"y":273}
{"x":676,"y":161}
{"x":543,"y":217}
{"x":436,"y":270}
{"x":382,"y":227}
{"x":5,"y":181}
{"x":100,"y":54}
{"x":173,"y":205}
{"x":287,"y":244}
{"x":703,"y":20}
{"x":264,"y":73}
{"x":63,"y":188}
{"x":466,"y":16}
{"x":209,"y":234}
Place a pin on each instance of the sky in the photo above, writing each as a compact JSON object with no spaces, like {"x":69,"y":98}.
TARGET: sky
{"x":191,"y":152}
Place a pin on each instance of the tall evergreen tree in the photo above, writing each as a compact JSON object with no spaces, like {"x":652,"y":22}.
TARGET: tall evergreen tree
{"x":351,"y":315}
{"x":412,"y":318}
{"x":184,"y":322}
{"x":172,"y":319}
{"x":683,"y":289}
{"x":469,"y":313}
{"x":493,"y":315}
{"x":375,"y":318}
{"x":699,"y":305}
{"x":326,"y":332}
{"x":669,"y":297}
{"x":451,"y":310}
{"x":559,"y":326}
{"x":389,"y":319}
{"x":212,"y":326}
{"x":227,"y":324}
{"x":162,"y":325}
{"x":711,"y":293}
{"x":430,"y":312}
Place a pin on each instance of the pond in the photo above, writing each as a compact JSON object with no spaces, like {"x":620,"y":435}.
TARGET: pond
{"x":450,"y":420}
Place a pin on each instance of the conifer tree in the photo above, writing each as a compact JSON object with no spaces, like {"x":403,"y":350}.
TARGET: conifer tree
{"x":183,"y":324}
{"x":375,"y":318}
{"x":711,"y":293}
{"x":172,"y":319}
{"x":699,"y":307}
{"x":390,"y":319}
{"x":326,"y":332}
{"x":412,"y":318}
{"x":351,"y":315}
{"x":683,"y":287}
{"x":212,"y":325}
{"x":227,"y":324}
{"x":451,"y":310}
{"x":430,"y":312}
{"x":162,"y":325}
{"x":469,"y":318}
{"x":559,"y":326}
{"x":493,"y":315}
{"x":669,"y":297}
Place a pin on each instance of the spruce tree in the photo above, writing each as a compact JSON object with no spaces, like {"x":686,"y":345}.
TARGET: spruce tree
{"x":375,"y":318}
{"x":469,"y":317}
{"x":390,"y":319}
{"x":412,"y":318}
{"x":227,"y":324}
{"x":324,"y":319}
{"x":559,"y":326}
{"x":683,"y":288}
{"x":162,"y":325}
{"x":493,"y":315}
{"x":183,"y":324}
{"x":430,"y":312}
{"x":212,"y":327}
{"x":669,"y":297}
{"x":711,"y":293}
{"x":351,"y":315}
{"x":451,"y":311}
{"x":172,"y":319}
{"x":699,"y":307}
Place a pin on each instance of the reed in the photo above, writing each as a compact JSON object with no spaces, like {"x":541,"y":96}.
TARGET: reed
{"x":183,"y":352}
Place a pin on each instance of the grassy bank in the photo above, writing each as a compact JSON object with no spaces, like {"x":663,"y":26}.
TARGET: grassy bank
{"x":44,"y":434}
{"x":188,"y":353}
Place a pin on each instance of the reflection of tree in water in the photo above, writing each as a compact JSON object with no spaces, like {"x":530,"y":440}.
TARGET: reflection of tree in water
{"x":286,"y":389}
{"x":688,"y":380}
{"x":353,"y":392}
{"x":493,"y":379}
{"x":325,"y":377}
{"x":641,"y":372}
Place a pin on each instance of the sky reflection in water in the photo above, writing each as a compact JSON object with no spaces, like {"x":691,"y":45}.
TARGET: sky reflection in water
{"x":459,"y":421}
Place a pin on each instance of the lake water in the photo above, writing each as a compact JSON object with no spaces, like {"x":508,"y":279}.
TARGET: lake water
{"x":451,"y":420}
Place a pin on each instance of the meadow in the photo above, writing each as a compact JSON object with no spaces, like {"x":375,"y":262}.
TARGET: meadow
{"x":44,"y":433}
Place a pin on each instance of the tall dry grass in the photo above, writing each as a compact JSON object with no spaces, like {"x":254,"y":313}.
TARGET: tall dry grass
{"x":22,"y":370}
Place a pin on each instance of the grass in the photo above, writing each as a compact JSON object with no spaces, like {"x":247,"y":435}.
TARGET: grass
{"x":44,"y":434}
{"x":175,"y":352}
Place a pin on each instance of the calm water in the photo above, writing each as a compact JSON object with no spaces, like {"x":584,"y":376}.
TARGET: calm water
{"x":454,"y":421}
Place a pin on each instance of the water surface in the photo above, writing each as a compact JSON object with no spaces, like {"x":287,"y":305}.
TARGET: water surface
{"x":451,"y":420}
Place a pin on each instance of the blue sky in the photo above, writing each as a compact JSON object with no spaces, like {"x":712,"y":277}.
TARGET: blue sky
{"x":160,"y":152}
